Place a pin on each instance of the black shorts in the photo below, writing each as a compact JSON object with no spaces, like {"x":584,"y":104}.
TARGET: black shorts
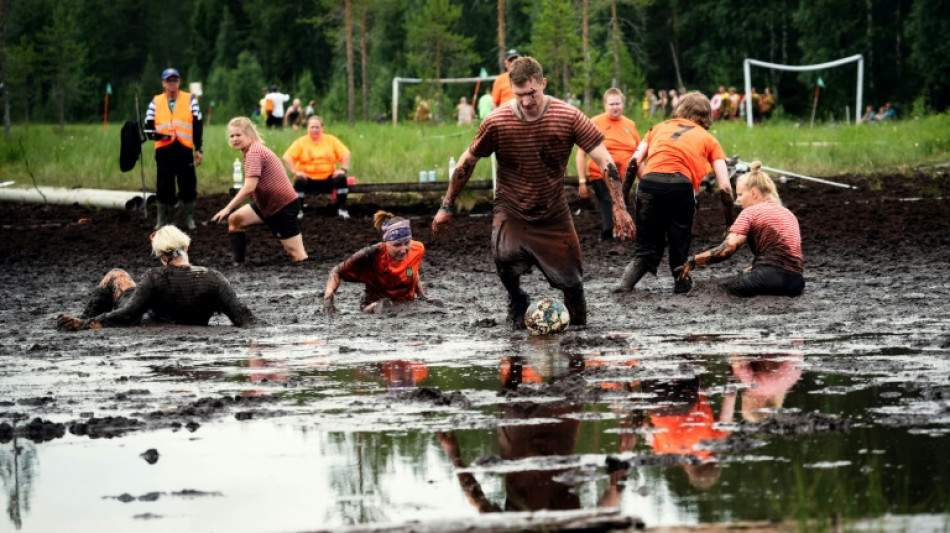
{"x":766,"y":280}
{"x":284,"y":223}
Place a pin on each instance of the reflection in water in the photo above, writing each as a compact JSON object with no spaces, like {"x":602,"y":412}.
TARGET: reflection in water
{"x":769,"y":378}
{"x":17,"y":469}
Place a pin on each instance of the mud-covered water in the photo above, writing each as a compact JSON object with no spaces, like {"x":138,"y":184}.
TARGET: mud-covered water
{"x":832,"y":408}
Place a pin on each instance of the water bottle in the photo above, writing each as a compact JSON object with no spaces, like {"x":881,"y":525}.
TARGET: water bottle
{"x":451,"y":167}
{"x":238,"y":177}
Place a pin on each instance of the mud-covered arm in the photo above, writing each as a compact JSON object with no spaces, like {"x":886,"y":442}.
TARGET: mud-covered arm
{"x":131,"y":313}
{"x":228,"y":303}
{"x":470,"y":486}
{"x":463,"y":172}
{"x":715,"y":255}
{"x":623,"y":224}
{"x":358,"y":262}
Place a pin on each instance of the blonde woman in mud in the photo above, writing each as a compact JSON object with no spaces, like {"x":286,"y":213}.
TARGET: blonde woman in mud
{"x":773,"y":235}
{"x":389,"y":270}
{"x":177,"y":293}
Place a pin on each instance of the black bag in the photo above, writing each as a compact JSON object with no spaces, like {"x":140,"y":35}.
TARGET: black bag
{"x":132,"y":140}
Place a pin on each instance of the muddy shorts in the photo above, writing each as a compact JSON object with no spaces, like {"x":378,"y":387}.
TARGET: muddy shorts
{"x":551,"y":246}
{"x":766,"y":280}
{"x":284,"y":224}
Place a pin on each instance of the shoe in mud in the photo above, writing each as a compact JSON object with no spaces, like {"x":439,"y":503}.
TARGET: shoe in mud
{"x":517,"y":307}
{"x":343,"y":213}
{"x":682,"y":285}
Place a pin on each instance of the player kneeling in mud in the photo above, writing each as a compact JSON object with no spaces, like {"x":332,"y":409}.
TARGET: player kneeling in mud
{"x":773,"y":235}
{"x":388,"y":269}
{"x":176,"y":293}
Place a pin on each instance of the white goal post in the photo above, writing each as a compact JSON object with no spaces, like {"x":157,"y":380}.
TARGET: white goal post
{"x":747,"y":70}
{"x":397,"y":81}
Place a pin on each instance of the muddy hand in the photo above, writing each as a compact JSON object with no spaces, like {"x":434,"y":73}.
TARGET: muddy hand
{"x":727,"y":204}
{"x":68,"y":323}
{"x":329,"y":307}
{"x":685,"y":268}
{"x":624,"y":228}
{"x":442,"y":220}
{"x":435,"y":301}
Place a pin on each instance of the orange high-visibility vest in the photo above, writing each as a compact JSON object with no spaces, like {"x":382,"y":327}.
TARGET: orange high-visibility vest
{"x":176,"y":124}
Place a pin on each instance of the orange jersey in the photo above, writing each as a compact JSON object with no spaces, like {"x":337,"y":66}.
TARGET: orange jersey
{"x":620,"y":139}
{"x":383,"y":278}
{"x":680,"y":145}
{"x":684,"y":432}
{"x":501,"y":90}
{"x":317,"y":159}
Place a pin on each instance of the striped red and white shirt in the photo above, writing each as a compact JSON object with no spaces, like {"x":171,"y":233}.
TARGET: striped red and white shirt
{"x":773,"y":235}
{"x":532,"y":157}
{"x":274,"y":190}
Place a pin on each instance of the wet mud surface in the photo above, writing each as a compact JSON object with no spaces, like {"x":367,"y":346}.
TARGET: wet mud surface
{"x":872,"y":324}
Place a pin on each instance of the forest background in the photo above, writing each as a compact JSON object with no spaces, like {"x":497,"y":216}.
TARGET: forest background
{"x":60,"y":58}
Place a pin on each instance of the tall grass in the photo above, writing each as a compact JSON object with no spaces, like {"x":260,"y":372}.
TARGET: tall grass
{"x":87,"y":155}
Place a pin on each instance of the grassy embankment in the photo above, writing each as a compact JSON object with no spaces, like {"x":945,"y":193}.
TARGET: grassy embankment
{"x":87,"y":156}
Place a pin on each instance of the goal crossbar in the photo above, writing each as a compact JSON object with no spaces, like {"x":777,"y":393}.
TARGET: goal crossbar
{"x":747,"y":71}
{"x":398,"y":81}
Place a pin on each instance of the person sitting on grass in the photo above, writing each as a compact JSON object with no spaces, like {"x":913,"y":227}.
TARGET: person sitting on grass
{"x":773,"y":235}
{"x":176,"y":293}
{"x":388,"y":269}
{"x":318,"y":163}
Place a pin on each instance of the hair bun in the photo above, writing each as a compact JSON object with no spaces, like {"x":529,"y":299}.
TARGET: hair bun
{"x":755,"y":166}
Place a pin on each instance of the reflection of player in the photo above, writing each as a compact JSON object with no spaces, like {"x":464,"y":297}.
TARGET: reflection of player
{"x":401,"y":374}
{"x":530,"y":490}
{"x":686,"y":419}
{"x":769,"y":378}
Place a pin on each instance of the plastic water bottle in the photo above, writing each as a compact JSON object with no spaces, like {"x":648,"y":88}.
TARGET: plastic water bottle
{"x":451,"y":167}
{"x":238,"y":176}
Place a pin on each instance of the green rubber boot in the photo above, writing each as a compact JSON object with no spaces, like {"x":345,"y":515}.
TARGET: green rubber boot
{"x":190,"y":215}
{"x":162,"y":219}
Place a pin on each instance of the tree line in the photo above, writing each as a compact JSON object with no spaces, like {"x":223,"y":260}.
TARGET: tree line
{"x":59,"y":58}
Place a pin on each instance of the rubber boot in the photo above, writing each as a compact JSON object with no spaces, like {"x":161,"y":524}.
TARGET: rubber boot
{"x":631,"y":275}
{"x":190,"y":215}
{"x":99,"y":302}
{"x":682,"y":285}
{"x":517,"y":307}
{"x":238,"y":246}
{"x":576,"y":304}
{"x":161,"y":215}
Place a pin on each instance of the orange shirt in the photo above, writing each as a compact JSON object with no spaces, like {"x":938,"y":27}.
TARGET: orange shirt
{"x":680,"y":145}
{"x":620,"y":139}
{"x":384,"y":279}
{"x":501,"y":90}
{"x":684,"y":432}
{"x":317,"y":159}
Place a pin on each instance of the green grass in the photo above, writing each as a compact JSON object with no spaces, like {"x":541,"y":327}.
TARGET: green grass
{"x":87,"y":156}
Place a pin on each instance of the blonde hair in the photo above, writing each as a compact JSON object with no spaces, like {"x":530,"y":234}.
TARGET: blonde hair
{"x":694,"y":106}
{"x":384,"y":218}
{"x":615,"y":91}
{"x":247,"y":127}
{"x":169,"y":241}
{"x":761,"y":181}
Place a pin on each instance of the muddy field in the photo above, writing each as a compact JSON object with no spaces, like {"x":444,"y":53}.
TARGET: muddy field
{"x":869,"y":341}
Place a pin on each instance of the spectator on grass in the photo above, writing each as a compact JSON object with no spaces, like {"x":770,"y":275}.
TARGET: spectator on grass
{"x":275,"y":202}
{"x":501,"y":88}
{"x":773,"y":235}
{"x":465,"y":112}
{"x":176,"y":293}
{"x":869,"y":115}
{"x":319,"y":163}
{"x":766,"y":104}
{"x":388,"y":270}
{"x":274,"y":102}
{"x":621,"y":139}
{"x":485,"y":105}
{"x":886,"y":113}
{"x":294,"y":115}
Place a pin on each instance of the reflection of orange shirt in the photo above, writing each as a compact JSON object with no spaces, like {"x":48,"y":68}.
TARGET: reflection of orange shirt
{"x":383,"y":278}
{"x":684,"y":432}
{"x":501,"y":90}
{"x":620,"y":139}
{"x":403,"y":373}
{"x":317,"y":159}
{"x":680,"y":145}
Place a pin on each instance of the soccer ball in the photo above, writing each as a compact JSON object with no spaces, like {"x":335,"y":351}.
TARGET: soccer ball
{"x":547,"y":316}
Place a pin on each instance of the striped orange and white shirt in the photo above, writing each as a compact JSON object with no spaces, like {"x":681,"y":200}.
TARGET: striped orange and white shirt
{"x":773,"y":236}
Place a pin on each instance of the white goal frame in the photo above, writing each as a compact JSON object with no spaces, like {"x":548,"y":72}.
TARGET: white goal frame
{"x":397,"y":81}
{"x":747,"y":71}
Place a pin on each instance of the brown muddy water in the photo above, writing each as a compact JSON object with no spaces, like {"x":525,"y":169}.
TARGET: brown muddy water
{"x":826,"y":412}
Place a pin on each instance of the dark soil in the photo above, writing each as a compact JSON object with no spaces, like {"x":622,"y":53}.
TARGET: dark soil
{"x":876,"y":259}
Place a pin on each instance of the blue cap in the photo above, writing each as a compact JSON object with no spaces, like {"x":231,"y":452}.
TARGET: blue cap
{"x":512,"y":54}
{"x":168,"y":73}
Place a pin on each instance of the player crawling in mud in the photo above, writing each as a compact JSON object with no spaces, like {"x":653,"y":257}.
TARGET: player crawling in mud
{"x":177,"y":293}
{"x":773,"y":235}
{"x":388,"y":269}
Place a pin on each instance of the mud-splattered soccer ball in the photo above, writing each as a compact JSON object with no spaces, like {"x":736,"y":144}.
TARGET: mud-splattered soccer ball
{"x":547,"y":316}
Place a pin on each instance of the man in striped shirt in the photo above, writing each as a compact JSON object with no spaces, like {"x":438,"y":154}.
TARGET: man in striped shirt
{"x":532,"y":136}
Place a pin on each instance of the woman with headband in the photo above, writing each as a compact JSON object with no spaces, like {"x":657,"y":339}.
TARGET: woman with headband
{"x":389,"y":270}
{"x":176,"y":293}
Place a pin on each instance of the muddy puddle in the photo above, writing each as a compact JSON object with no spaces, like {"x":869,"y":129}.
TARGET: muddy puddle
{"x":666,"y":430}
